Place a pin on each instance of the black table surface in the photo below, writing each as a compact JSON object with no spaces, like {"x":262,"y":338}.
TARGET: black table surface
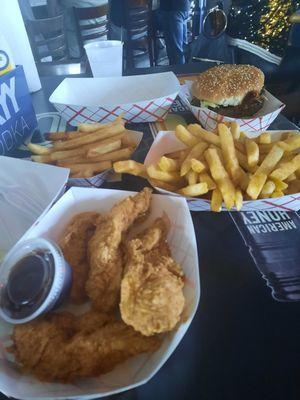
{"x":242,"y":344}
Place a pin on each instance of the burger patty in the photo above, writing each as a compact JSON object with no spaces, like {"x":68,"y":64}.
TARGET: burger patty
{"x":250,"y":105}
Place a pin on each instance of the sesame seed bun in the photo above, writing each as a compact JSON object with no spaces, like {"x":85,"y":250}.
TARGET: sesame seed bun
{"x":228,"y":85}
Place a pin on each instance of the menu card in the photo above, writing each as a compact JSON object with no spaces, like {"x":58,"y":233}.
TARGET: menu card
{"x":273,"y":238}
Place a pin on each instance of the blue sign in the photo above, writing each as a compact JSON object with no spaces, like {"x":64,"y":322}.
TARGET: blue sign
{"x":17,"y":116}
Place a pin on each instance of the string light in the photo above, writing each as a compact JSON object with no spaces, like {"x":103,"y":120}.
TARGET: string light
{"x":262,"y":22}
{"x":274,"y":31}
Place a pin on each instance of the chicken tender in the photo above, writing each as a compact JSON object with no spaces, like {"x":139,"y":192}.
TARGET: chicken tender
{"x":74,"y":247}
{"x":152,"y":297}
{"x":63,"y":347}
{"x":105,"y":253}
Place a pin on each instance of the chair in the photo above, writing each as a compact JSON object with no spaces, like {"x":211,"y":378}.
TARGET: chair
{"x":138,"y":40}
{"x":92,"y":23}
{"x":47,"y":38}
{"x":40,"y":12}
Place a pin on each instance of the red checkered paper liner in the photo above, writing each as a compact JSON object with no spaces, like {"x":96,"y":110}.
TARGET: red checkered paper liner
{"x":167,"y":142}
{"x":98,"y":180}
{"x":209,"y":119}
{"x":145,"y":111}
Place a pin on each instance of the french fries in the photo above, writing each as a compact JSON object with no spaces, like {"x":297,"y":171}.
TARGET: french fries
{"x":197,"y":165}
{"x":286,"y":169}
{"x":89,"y":150}
{"x":117,"y":155}
{"x":196,"y":189}
{"x":37,"y":149}
{"x":235,"y":130}
{"x":90,"y":138}
{"x":280,"y":185}
{"x":258,"y":180}
{"x":252,"y":150}
{"x":192,"y":177}
{"x":96,"y":126}
{"x":229,"y":153}
{"x":268,"y":188}
{"x":103,"y":147}
{"x":168,"y":164}
{"x":55,"y":136}
{"x":154,"y":172}
{"x":204,"y":135}
{"x":291,"y":143}
{"x":264,"y":138}
{"x":60,"y":155}
{"x":130,"y":167}
{"x":221,"y":177}
{"x":216,"y":200}
{"x":204,"y":177}
{"x":185,"y":136}
{"x":238,"y":199}
{"x":226,"y":166}
{"x":196,"y":152}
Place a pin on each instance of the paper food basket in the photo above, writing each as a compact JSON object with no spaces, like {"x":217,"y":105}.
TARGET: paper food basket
{"x":141,"y":98}
{"x":209,"y":119}
{"x":137,"y":370}
{"x":167,"y":142}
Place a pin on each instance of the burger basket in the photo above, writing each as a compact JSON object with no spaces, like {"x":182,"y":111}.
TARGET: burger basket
{"x":99,"y":179}
{"x":142,"y":98}
{"x":209,"y":119}
{"x":167,"y":142}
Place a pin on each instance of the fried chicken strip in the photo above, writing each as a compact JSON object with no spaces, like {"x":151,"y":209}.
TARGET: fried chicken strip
{"x":152,"y":299}
{"x":74,"y":247}
{"x":63,"y":347}
{"x":105,"y":255}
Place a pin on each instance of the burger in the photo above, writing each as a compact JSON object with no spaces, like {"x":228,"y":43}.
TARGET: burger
{"x":231,"y":90}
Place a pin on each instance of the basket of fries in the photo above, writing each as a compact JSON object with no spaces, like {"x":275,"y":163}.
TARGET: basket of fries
{"x":88,"y":152}
{"x":228,"y":170}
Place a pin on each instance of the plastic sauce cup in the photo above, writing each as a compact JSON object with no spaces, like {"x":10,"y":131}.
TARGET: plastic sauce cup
{"x":34,"y":279}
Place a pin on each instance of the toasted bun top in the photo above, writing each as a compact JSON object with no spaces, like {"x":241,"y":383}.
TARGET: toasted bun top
{"x":228,"y":84}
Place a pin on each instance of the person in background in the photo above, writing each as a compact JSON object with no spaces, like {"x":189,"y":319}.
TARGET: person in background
{"x":117,"y":19}
{"x":71,"y":26}
{"x":172,"y":16}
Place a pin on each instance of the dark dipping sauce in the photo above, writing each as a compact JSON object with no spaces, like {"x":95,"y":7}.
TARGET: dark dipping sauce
{"x":28,"y":284}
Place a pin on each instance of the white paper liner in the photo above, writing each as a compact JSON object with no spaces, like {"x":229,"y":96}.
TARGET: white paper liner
{"x":209,"y":119}
{"x":34,"y":195}
{"x":136,"y":370}
{"x":98,"y":180}
{"x":167,"y":142}
{"x":141,"y":98}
